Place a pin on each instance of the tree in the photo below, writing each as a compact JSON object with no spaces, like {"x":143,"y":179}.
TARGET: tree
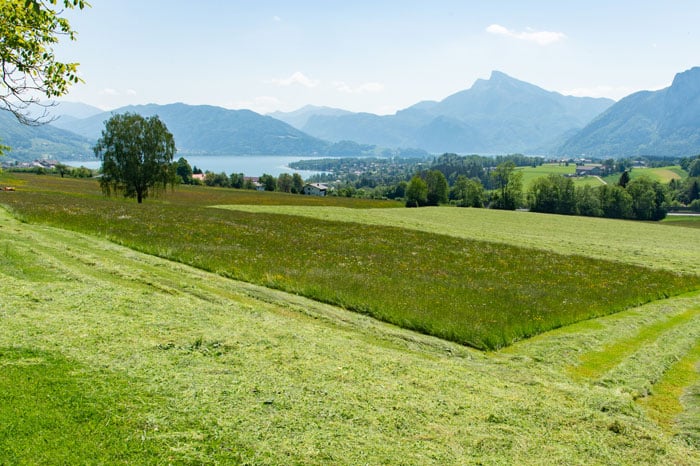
{"x":30,"y":70}
{"x":184,"y":170}
{"x":284,"y":183}
{"x":416,"y":192}
{"x":62,"y":169}
{"x":694,"y":168}
{"x":297,"y":183}
{"x":136,"y":154}
{"x":553,"y":194}
{"x":693,"y":190}
{"x":624,"y":179}
{"x":237,"y":180}
{"x":615,"y":202}
{"x":509,"y":186}
{"x":220,"y":180}
{"x":269,"y":181}
{"x":588,"y":202}
{"x":438,"y":188}
{"x":648,"y":198}
{"x":468,"y":192}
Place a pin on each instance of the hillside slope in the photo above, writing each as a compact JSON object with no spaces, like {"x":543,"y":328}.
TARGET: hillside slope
{"x":220,"y":371}
{"x":663,"y":123}
{"x":35,"y":142}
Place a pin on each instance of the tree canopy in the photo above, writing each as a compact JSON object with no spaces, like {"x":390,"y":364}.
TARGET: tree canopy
{"x":509,"y":186}
{"x":30,"y":70}
{"x":136,"y":154}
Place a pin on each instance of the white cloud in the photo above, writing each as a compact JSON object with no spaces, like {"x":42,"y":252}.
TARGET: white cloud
{"x":276,"y":19}
{"x":130,"y":92}
{"x":109,"y":91}
{"x":296,"y":78}
{"x":342,"y":86}
{"x":530,"y":35}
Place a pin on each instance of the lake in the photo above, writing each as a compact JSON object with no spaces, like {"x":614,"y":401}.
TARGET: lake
{"x":249,"y":165}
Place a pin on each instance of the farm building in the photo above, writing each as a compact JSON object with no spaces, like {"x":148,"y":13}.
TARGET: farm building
{"x":592,"y":170}
{"x":315,"y":189}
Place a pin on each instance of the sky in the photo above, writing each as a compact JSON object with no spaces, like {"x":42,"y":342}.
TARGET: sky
{"x":370,"y":56}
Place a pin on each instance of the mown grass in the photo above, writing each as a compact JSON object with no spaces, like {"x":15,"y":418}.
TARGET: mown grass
{"x":688,"y":221}
{"x":221,"y":372}
{"x":594,"y":364}
{"x":477,"y":293}
{"x":675,"y":404}
{"x":54,"y":411}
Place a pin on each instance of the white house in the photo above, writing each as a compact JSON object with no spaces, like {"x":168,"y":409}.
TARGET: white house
{"x":315,"y":189}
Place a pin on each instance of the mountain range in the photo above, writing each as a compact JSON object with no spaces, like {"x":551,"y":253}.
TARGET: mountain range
{"x":664,"y":122}
{"x":494,"y":116}
{"x":501,"y":114}
{"x":40,"y":142}
{"x":205,"y":129}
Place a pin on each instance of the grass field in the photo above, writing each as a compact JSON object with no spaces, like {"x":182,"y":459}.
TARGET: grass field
{"x":660,"y":174}
{"x":116,"y":357}
{"x":689,"y":221}
{"x":530,"y":174}
{"x":474,"y":292}
{"x":655,"y":245}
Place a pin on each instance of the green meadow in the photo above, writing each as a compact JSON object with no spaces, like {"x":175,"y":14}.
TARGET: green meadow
{"x":660,"y":174}
{"x":475,"y":292}
{"x":130,"y":325}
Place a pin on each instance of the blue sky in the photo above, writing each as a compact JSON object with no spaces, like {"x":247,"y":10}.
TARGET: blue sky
{"x":373,"y":56}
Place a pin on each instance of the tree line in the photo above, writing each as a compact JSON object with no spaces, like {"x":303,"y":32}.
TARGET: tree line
{"x":501,"y":187}
{"x":285,"y":182}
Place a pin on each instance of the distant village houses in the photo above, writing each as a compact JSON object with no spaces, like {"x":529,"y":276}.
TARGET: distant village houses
{"x":38,"y":163}
{"x":315,"y":189}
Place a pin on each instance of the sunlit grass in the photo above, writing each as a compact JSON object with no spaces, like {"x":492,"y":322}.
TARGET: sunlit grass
{"x":199,"y":369}
{"x":57,"y":412}
{"x":679,"y":385}
{"x":478,"y":293}
{"x":648,"y":244}
{"x":594,"y":364}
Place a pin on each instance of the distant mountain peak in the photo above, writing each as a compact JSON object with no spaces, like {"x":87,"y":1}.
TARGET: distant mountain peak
{"x":498,"y":80}
{"x":664,"y":122}
{"x":687,"y":81}
{"x":500,"y":76}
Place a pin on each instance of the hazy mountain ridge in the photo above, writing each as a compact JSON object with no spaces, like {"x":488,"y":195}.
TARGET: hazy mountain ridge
{"x":214,"y":130}
{"x":663,"y":122}
{"x":501,"y":114}
{"x":498,"y":115}
{"x":299,"y":118}
{"x":45,"y":141}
